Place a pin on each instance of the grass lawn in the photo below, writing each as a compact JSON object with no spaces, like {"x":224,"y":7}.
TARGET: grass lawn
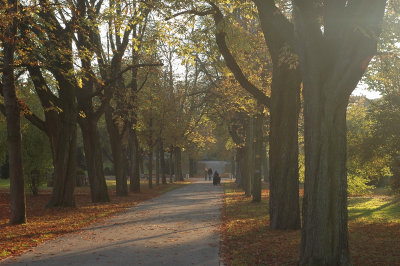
{"x":44,"y":224}
{"x":4,"y":183}
{"x":374,"y":232}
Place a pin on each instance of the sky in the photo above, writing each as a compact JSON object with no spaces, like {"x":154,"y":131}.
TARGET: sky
{"x":361,"y":90}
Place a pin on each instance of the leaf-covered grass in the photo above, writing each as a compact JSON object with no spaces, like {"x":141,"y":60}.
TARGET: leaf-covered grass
{"x":44,"y":224}
{"x":374,"y":232}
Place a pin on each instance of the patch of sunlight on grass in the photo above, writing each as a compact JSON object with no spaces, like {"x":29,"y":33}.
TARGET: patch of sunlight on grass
{"x":4,"y":183}
{"x":374,"y":209}
{"x":110,"y":183}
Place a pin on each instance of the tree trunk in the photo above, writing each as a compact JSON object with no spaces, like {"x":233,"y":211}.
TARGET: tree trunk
{"x":171,"y":164}
{"x":178,"y":164}
{"x":157,"y":163}
{"x":265,"y":163}
{"x":258,"y":150}
{"x":162,"y":162}
{"x":284,"y":108}
{"x":61,"y":129}
{"x":249,"y":159}
{"x":284,"y":152}
{"x":191,"y":167}
{"x":233,"y":163}
{"x":94,"y":160}
{"x":324,"y":234}
{"x":63,"y":146}
{"x":117,"y":153}
{"x":14,"y":141}
{"x":134,"y":174}
{"x":241,"y":165}
{"x":141,"y":163}
{"x":332,"y":62}
{"x":151,"y":168}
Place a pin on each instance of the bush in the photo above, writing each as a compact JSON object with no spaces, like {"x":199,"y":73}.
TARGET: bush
{"x":34,"y":180}
{"x":37,"y":157}
{"x":357,"y":183}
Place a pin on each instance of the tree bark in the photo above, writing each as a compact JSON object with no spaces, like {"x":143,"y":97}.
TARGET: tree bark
{"x":178,"y":164}
{"x":242,"y":170}
{"x":117,"y":153}
{"x":157,"y":150}
{"x":162,"y":162}
{"x":279,"y":34}
{"x":94,"y":160}
{"x":265,"y":163}
{"x":283,"y":143}
{"x":134,"y":174}
{"x":60,"y":127}
{"x":324,"y":234}
{"x":88,"y":123}
{"x":258,"y":150}
{"x":249,"y":159}
{"x":171,"y":164}
{"x":14,"y":141}
{"x":61,"y":108}
{"x":151,"y":167}
{"x":191,"y":167}
{"x":63,"y":143}
{"x":332,"y":63}
{"x":141,"y":163}
{"x":284,"y":109}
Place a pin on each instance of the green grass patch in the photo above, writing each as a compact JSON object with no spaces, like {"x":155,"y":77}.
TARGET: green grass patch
{"x":374,"y":209}
{"x":4,"y":183}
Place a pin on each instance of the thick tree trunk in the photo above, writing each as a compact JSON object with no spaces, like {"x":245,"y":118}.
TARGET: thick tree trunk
{"x":324,"y":234}
{"x":134,"y":175}
{"x":14,"y":141}
{"x":162,"y":162}
{"x":329,"y":78}
{"x":63,"y":146}
{"x":94,"y":160}
{"x":284,"y":108}
{"x":61,"y":129}
{"x":118,"y":154}
{"x":283,"y":141}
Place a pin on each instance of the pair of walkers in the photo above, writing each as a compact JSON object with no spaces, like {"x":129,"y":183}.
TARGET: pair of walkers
{"x":216,"y":178}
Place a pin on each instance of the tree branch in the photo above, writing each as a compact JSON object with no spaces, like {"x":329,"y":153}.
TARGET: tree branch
{"x":138,"y":66}
{"x":231,"y":62}
{"x":192,"y":12}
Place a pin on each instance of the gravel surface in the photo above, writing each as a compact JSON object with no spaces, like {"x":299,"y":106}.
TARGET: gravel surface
{"x":180,"y":227}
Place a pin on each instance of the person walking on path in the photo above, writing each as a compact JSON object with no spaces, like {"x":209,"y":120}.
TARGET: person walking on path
{"x":205,"y":173}
{"x":210,"y":171}
{"x":216,"y":178}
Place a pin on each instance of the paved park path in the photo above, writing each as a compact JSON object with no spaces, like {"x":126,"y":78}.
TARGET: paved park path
{"x":180,"y":227}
